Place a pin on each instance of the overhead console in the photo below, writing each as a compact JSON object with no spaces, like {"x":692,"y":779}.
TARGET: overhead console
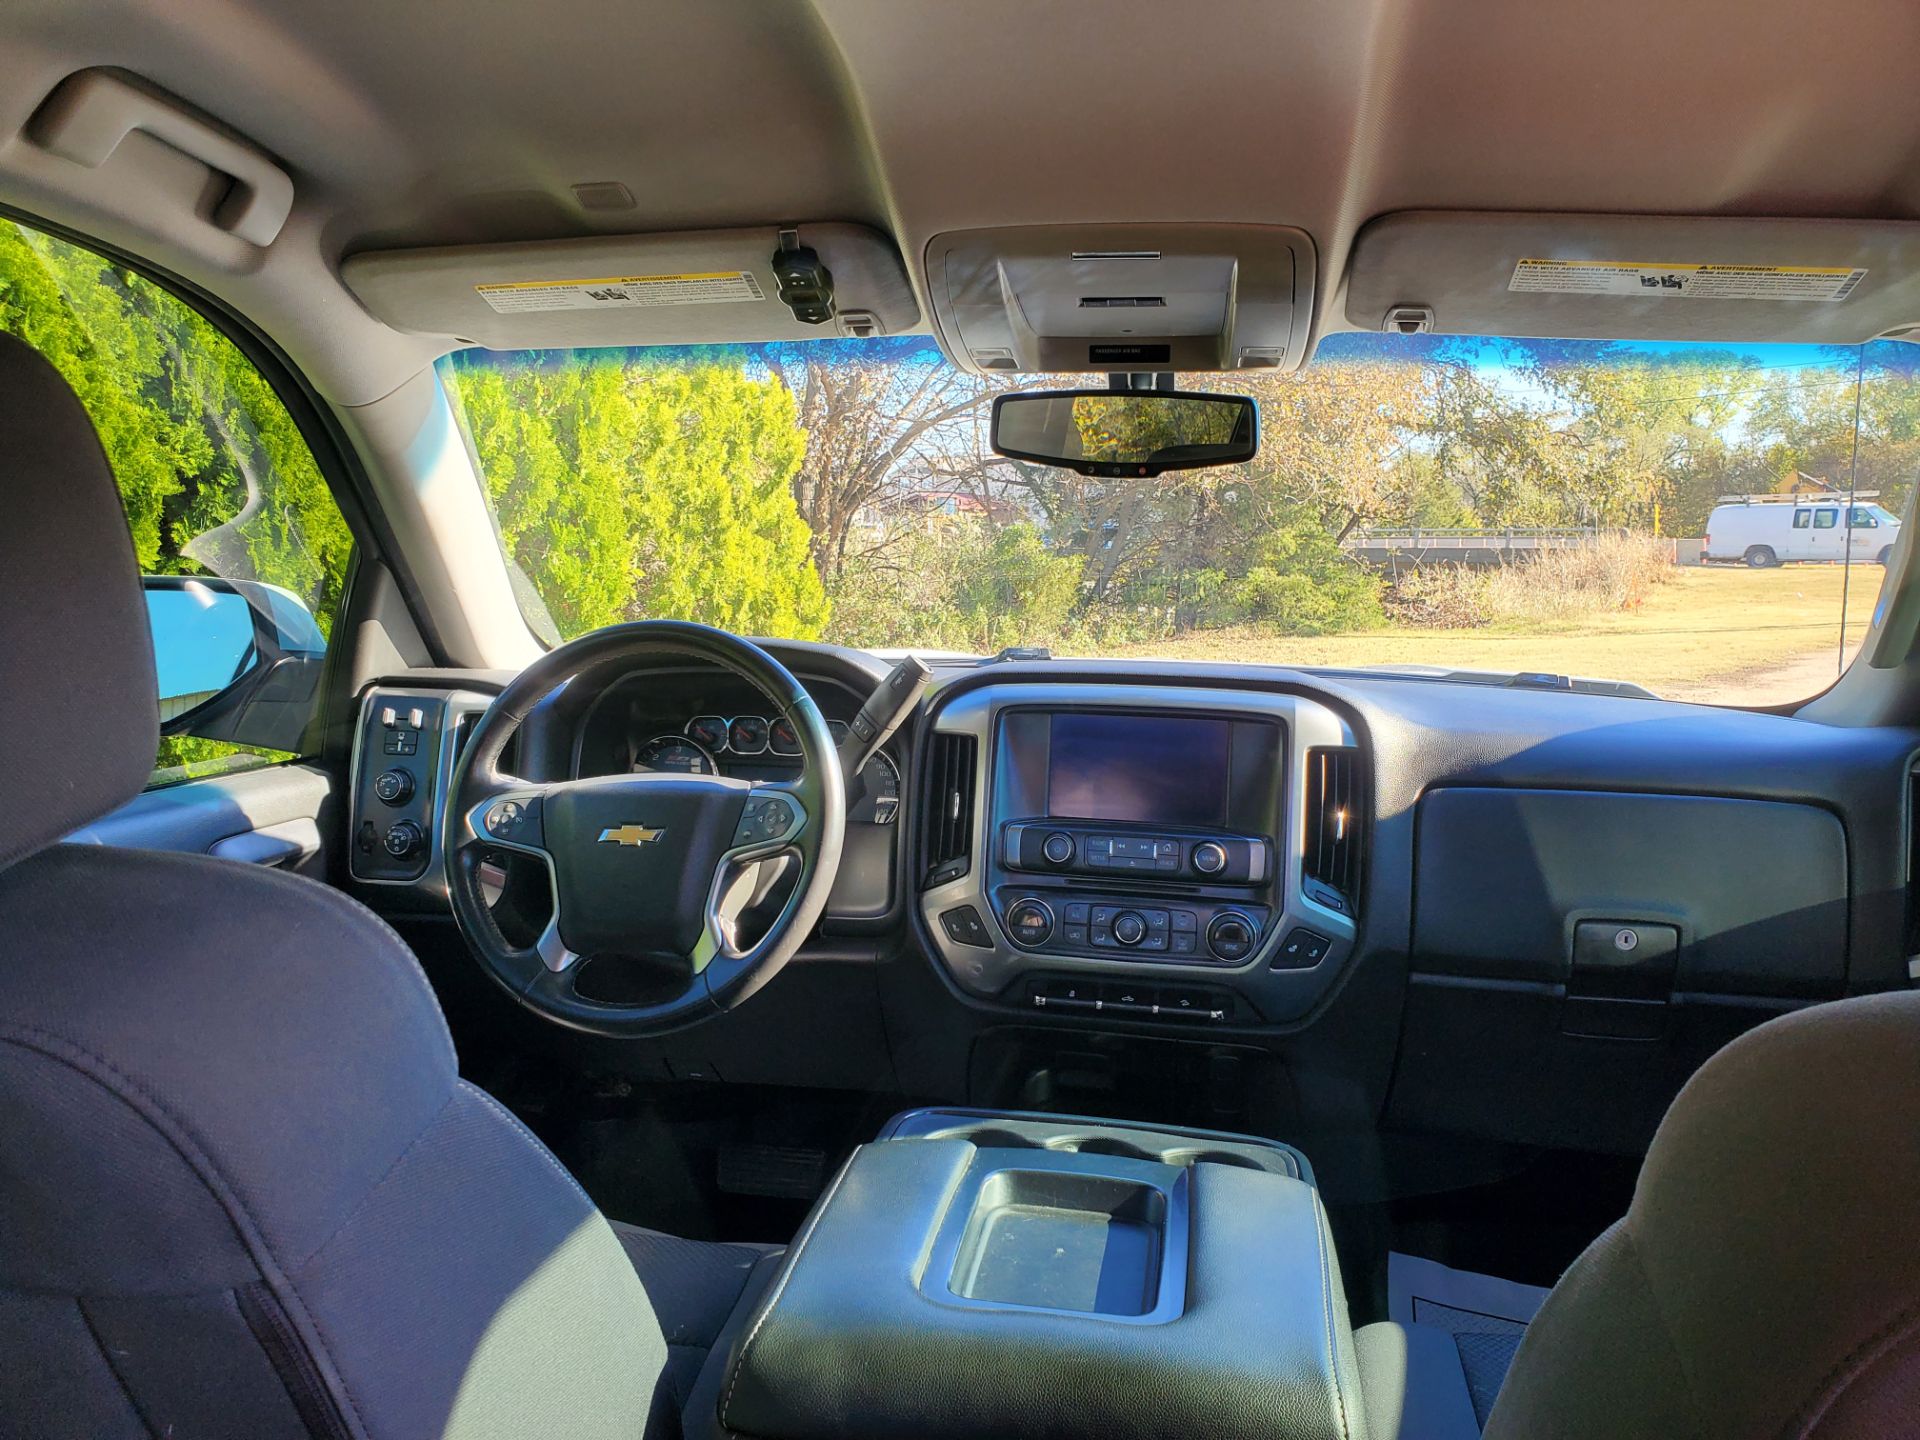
{"x":1056,"y":299}
{"x":1139,"y":852}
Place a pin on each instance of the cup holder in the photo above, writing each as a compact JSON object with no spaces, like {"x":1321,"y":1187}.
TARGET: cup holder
{"x":1101,"y":1145}
{"x":989,"y":1138}
{"x":1210,"y":1157}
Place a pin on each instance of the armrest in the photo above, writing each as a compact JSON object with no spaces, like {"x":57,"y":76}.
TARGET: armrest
{"x":863,"y":1335}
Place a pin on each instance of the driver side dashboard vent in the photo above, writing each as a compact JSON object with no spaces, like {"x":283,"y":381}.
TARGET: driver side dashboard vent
{"x":947,"y":824}
{"x":1336,"y":808}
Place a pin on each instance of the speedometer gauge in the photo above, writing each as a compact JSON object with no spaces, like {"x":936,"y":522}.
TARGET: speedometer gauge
{"x":674,"y":755}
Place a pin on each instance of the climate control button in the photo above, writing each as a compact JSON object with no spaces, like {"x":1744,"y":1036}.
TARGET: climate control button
{"x":1232,"y":936}
{"x":1030,"y":922}
{"x":1129,"y":927}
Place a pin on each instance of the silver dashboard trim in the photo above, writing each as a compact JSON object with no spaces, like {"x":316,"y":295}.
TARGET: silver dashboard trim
{"x":451,"y":707}
{"x":1281,"y":995}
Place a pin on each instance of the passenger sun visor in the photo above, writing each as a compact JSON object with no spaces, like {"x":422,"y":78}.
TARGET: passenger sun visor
{"x":1637,"y":277}
{"x":698,"y":287}
{"x":1059,"y":299}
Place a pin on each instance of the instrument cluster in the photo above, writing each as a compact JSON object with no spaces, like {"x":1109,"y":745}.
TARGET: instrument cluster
{"x":723,"y":744}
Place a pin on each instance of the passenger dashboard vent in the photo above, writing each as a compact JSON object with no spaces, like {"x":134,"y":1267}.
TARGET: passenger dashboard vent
{"x":948,"y":824}
{"x":1336,"y":807}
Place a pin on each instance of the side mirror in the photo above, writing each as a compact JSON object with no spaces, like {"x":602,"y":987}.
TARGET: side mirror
{"x":1117,"y":434}
{"x":236,"y":660}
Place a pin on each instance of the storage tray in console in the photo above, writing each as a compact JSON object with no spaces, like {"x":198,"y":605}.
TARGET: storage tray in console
{"x":950,"y":1288}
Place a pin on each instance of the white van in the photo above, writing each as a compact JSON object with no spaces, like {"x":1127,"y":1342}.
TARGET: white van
{"x":1770,"y":530}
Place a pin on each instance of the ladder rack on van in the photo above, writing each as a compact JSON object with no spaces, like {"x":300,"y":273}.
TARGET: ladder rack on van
{"x":1804,"y":497}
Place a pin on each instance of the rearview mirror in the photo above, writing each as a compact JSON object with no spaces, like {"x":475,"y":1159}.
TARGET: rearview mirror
{"x":236,"y":660}
{"x":1119,"y":433}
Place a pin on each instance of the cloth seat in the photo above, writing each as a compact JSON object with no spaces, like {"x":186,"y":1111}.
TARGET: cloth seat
{"x":1764,"y":1280}
{"x":244,"y":1191}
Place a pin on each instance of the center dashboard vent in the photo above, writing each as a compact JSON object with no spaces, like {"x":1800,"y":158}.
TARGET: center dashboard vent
{"x":1336,"y":808}
{"x":948,"y":824}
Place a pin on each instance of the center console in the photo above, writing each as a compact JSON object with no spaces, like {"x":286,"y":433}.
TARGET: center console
{"x":978,"y":1274}
{"x":1136,"y":853}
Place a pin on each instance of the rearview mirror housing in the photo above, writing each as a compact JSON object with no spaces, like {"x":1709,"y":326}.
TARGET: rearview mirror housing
{"x":1120,"y":434}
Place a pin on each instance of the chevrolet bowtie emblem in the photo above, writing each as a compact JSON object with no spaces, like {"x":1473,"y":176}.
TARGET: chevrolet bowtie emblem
{"x":630,"y":835}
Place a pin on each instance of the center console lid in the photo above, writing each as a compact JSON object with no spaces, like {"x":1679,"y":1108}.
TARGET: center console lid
{"x":1049,"y":1277}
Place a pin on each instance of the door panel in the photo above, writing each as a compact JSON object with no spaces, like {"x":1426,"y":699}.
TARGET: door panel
{"x":277,"y":815}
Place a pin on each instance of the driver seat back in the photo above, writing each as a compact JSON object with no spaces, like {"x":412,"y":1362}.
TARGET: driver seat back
{"x":243,"y":1191}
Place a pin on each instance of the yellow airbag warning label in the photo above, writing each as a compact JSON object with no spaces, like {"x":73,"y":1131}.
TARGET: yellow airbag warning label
{"x":1686,"y":282}
{"x":622,"y":292}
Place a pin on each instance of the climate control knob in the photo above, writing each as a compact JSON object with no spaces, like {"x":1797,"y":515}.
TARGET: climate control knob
{"x":1209,"y":858}
{"x":1232,"y":936}
{"x":1129,"y":927}
{"x":1030,"y":922}
{"x":403,"y":838}
{"x":1057,"y":848}
{"x":394,"y":786}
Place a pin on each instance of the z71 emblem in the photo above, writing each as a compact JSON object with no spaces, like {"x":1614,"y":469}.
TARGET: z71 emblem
{"x":630,"y":835}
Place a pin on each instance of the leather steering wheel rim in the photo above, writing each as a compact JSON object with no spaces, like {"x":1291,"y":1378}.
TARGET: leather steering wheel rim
{"x":485,"y":809}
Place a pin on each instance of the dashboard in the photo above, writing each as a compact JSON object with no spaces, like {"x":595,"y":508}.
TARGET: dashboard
{"x":1274,"y":898}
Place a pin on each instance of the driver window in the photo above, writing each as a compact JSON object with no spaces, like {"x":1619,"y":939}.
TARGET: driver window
{"x":242,"y":550}
{"x":1862,"y":519}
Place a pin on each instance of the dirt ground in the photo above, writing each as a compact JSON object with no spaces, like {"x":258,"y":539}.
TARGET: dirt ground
{"x":1710,"y":634}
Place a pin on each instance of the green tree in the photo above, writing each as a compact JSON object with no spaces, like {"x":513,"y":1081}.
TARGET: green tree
{"x":629,"y":491}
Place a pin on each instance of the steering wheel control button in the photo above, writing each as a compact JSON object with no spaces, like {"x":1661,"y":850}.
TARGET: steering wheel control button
{"x":1030,"y":922}
{"x":1301,"y":950}
{"x":763,"y":820}
{"x":965,"y":927}
{"x":394,"y":787}
{"x":402,"y":839}
{"x":1231,"y":936}
{"x":1057,"y":848}
{"x":1209,"y":858}
{"x":505,"y":818}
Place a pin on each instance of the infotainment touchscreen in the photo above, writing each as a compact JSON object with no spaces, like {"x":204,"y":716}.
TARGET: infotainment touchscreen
{"x":1159,"y":770}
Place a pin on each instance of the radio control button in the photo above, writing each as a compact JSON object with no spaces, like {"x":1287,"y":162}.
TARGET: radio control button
{"x":1209,"y":858}
{"x":1057,"y":848}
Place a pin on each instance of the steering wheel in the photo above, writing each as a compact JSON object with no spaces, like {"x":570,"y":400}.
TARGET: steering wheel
{"x":648,"y":865}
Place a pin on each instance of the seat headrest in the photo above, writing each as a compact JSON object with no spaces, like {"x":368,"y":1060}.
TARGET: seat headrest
{"x":79,"y":708}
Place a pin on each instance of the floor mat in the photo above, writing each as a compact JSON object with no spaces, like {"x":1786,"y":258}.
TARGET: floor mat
{"x":1425,"y":1292}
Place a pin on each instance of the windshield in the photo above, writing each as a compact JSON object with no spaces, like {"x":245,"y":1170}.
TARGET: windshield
{"x":1709,"y":522}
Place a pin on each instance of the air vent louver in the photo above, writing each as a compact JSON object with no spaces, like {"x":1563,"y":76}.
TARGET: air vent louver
{"x":1336,"y":807}
{"x":948,"y":822}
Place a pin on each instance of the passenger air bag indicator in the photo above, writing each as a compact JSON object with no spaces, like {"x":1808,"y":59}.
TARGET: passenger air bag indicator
{"x":622,"y":292}
{"x":1685,"y":281}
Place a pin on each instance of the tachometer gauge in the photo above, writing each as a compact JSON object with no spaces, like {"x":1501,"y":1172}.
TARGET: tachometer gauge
{"x":674,"y":755}
{"x":748,"y":735}
{"x":709,"y":732}
{"x":782,"y":738}
{"x":880,"y":797}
